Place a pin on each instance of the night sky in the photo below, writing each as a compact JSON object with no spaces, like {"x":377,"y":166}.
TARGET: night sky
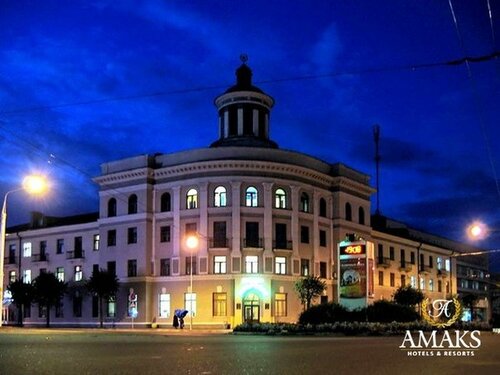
{"x":87,"y":82}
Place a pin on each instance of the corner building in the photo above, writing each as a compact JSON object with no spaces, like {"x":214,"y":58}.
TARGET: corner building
{"x":263,"y":216}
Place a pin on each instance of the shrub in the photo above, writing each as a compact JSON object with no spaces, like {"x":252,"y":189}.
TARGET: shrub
{"x":385,"y":312}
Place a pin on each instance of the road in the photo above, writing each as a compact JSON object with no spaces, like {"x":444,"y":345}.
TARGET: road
{"x":28,"y":351}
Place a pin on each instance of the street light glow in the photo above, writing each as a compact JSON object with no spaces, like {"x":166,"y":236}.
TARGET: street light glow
{"x":35,"y":184}
{"x":192,"y":242}
{"x":477,"y":231}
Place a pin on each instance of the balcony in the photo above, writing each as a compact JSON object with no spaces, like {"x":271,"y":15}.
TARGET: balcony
{"x":218,"y":243}
{"x":76,"y":254}
{"x":282,"y":245}
{"x":405,"y":267}
{"x":443,"y":273}
{"x":425,"y":269}
{"x":256,"y":243}
{"x":40,"y":257}
{"x":384,"y":262}
{"x":10,"y":260}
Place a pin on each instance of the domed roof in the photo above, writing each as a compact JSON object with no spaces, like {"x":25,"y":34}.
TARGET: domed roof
{"x":243,"y":80}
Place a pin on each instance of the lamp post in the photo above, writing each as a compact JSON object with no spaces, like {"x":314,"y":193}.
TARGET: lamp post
{"x":33,"y":184}
{"x":192,"y":244}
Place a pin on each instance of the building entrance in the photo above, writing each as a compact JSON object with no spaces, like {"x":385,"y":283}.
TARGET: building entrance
{"x":251,"y":308}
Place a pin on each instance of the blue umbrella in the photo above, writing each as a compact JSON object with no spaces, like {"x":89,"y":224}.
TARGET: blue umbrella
{"x":180,"y":313}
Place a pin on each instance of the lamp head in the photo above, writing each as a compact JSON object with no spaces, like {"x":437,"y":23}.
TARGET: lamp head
{"x":35,"y":184}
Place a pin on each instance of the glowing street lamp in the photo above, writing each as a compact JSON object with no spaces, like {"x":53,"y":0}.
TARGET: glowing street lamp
{"x":192,"y":244}
{"x":33,"y":184}
{"x":477,"y":231}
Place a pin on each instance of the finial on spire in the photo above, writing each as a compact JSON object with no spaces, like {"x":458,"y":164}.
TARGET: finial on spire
{"x":244,"y":58}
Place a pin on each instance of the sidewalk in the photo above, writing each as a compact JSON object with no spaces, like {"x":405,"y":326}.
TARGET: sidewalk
{"x":139,"y":331}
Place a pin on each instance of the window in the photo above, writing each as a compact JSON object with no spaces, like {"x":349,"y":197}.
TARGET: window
{"x":95,"y":306}
{"x":439,"y":262}
{"x":413,"y":282}
{"x":12,"y":254}
{"x":190,"y":303}
{"x":12,"y":276}
{"x":304,"y":202}
{"x":281,"y":237}
{"x":60,"y":246}
{"x":95,"y":242}
{"x":111,"y":308}
{"x":27,"y":249}
{"x":251,"y":197}
{"x":192,"y":199}
{"x":322,"y":270}
{"x":447,"y":266}
{"x":112,"y":267}
{"x":322,"y":238}
{"x":60,"y":273}
{"x":132,"y":268}
{"x":422,"y":283}
{"x":112,"y":237}
{"x":164,"y":305}
{"x":447,"y":287}
{"x":381,"y":278}
{"x":190,"y":265}
{"x":165,"y":204}
{"x":322,"y":207}
{"x":361,"y":216}
{"x":440,"y":286}
{"x":132,"y":204}
{"x":348,"y":212}
{"x":191,"y":229}
{"x":391,"y":253}
{"x":132,"y":235}
{"x":165,"y":233}
{"x":280,"y":265}
{"x":402,"y":257}
{"x":112,"y":207}
{"x":280,"y":198}
{"x":431,"y":285}
{"x":27,"y":276}
{"x":304,"y":267}
{"x":219,"y":304}
{"x":220,"y":197}
{"x":403,"y":280}
{"x":220,"y":264}
{"x":252,"y":234}
{"x":304,"y":234}
{"x":280,"y":304}
{"x":43,"y":250}
{"x":95,"y":269}
{"x":251,"y":264}
{"x":77,"y":305}
{"x":220,"y":239}
{"x":392,"y":279}
{"x":412,"y":257}
{"x":380,"y":253}
{"x":78,"y":273}
{"x":431,"y":261}
{"x":165,"y":267}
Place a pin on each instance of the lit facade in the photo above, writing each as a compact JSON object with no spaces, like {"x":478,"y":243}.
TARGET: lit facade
{"x":264,"y":218}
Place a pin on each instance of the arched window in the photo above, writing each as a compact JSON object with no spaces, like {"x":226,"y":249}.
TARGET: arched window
{"x":220,"y":196}
{"x":322,"y":207}
{"x":251,"y":197}
{"x":191,"y":199}
{"x":304,"y":202}
{"x":280,"y":198}
{"x":112,"y":207}
{"x":165,"y":203}
{"x":361,"y":215}
{"x":348,"y":212}
{"x":132,"y":204}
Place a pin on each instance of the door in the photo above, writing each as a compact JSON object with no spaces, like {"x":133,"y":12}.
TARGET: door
{"x":251,"y":308}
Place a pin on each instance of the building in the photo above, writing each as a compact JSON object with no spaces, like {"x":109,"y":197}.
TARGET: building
{"x":264,"y":217}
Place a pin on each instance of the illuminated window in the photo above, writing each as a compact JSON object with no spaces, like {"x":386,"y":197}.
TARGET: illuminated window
{"x":322,"y":207}
{"x":60,"y":273}
{"x":192,"y":199}
{"x":165,"y":204}
{"x":165,"y":233}
{"x":304,"y":267}
{"x":132,"y":204}
{"x":112,"y":207}
{"x":439,"y":263}
{"x":78,"y":273}
{"x":447,"y":266}
{"x":280,"y":304}
{"x":280,"y":198}
{"x":27,"y":276}
{"x":422,"y":283}
{"x":219,"y":304}
{"x":280,"y":265}
{"x":164,"y":305}
{"x":12,"y":276}
{"x":251,"y":197}
{"x":190,"y":303}
{"x":220,"y":197}
{"x":304,"y":202}
{"x":251,"y":264}
{"x":348,"y":212}
{"x":413,"y":282}
{"x":27,"y":249}
{"x":111,"y":307}
{"x":220,"y":264}
{"x":96,"y":242}
{"x":431,"y":285}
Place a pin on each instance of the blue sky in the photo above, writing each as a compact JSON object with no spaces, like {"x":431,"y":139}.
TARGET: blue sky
{"x":439,"y":127}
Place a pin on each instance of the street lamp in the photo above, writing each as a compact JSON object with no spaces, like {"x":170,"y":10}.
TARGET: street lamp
{"x":192,"y":244}
{"x":33,"y":184}
{"x":477,"y":231}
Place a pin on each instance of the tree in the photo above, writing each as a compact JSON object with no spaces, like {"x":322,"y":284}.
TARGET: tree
{"x":408,"y":296}
{"x":104,"y":285}
{"x":22,"y":294}
{"x":48,"y":292}
{"x":308,"y":288}
{"x":469,"y":300}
